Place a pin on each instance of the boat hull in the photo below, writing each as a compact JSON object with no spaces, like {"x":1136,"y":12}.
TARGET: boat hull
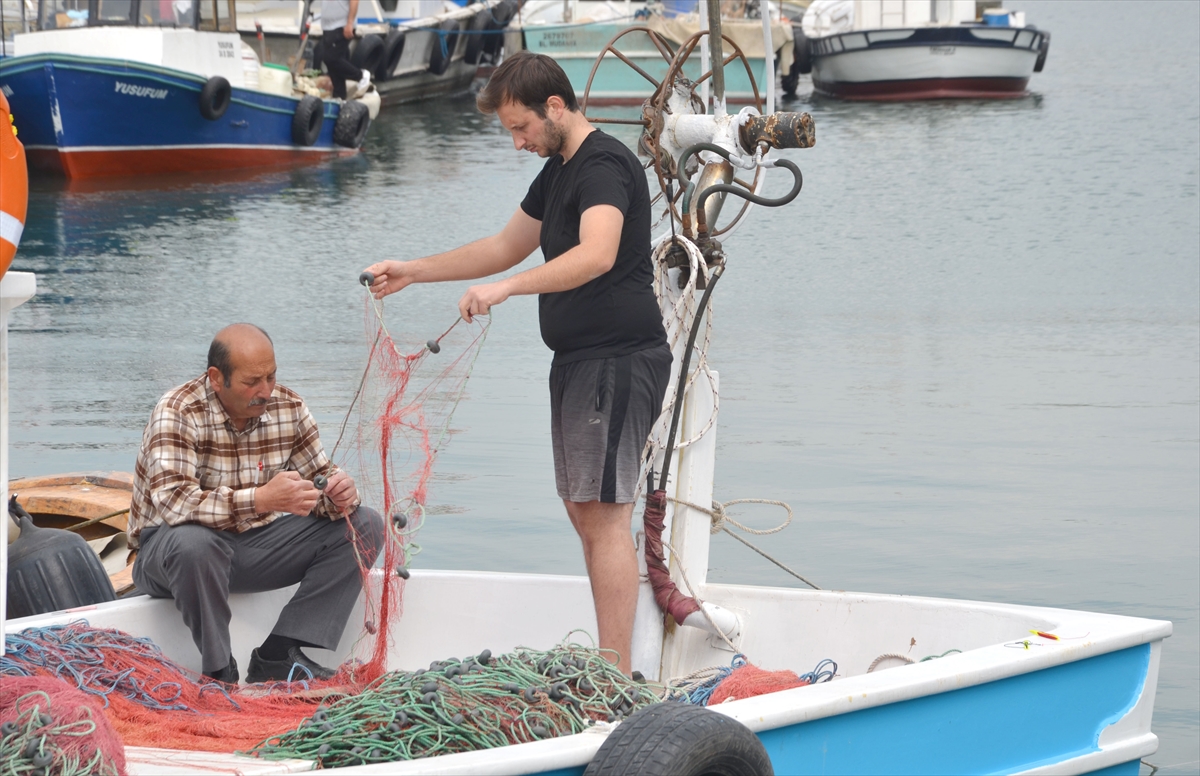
{"x":86,"y":117}
{"x":576,"y":48}
{"x":926,"y":63}
{"x":1011,"y":702}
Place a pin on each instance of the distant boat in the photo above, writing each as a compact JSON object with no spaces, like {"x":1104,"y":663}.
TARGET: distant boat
{"x":575,"y":33}
{"x":136,"y":94}
{"x":915,"y":50}
{"x":415,"y":49}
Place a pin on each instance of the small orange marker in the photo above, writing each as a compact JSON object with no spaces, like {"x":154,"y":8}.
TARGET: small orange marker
{"x":1044,"y":634}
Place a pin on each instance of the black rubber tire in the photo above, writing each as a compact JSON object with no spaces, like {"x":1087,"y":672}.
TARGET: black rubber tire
{"x":352,"y":123}
{"x":439,"y":61}
{"x":678,"y":739}
{"x":1043,"y":50}
{"x":307,"y":120}
{"x":368,"y":53}
{"x":501,"y":15}
{"x":476,"y":37}
{"x":215,"y":98}
{"x":393,"y":49}
{"x":802,"y":49}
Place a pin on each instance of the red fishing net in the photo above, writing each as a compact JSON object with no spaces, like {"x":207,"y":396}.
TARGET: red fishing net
{"x":749,"y":681}
{"x":48,"y":726}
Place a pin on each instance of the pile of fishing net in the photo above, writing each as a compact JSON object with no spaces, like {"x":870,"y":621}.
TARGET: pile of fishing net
{"x":740,"y":679}
{"x":126,"y":691}
{"x":460,"y":706}
{"x":49,"y":727}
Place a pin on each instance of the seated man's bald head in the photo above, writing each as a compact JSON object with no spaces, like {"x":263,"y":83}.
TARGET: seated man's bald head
{"x":232,"y":343}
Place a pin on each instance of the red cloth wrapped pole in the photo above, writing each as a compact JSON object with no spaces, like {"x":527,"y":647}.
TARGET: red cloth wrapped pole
{"x":666,"y":594}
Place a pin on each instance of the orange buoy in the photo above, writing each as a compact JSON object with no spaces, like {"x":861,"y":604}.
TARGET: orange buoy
{"x":14,"y":187}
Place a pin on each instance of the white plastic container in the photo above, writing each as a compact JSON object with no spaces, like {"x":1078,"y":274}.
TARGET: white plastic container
{"x":275,"y":79}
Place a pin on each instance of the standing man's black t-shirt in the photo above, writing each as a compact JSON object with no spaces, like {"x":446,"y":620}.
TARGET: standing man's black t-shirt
{"x":616,"y":314}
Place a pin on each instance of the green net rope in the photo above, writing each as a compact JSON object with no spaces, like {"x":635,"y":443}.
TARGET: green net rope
{"x":465,"y":705}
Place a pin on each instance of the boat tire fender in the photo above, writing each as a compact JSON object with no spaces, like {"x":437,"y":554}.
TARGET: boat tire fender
{"x":679,"y":738}
{"x":476,"y":36}
{"x":1043,"y":50}
{"x":368,"y":53}
{"x":500,"y":16}
{"x":443,"y":47}
{"x":307,"y":120}
{"x":802,"y":49}
{"x":393,"y":49}
{"x":215,"y":97}
{"x":352,"y":123}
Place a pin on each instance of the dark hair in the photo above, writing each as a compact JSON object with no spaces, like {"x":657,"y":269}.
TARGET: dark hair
{"x":218,"y":351}
{"x":528,"y":79}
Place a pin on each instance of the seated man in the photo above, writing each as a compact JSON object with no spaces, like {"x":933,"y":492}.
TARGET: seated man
{"x":224,"y":502}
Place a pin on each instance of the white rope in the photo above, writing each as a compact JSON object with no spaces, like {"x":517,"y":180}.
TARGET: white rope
{"x":889,"y":655}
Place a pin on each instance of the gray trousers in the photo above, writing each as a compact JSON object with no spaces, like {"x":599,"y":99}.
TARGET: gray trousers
{"x":199,"y":567}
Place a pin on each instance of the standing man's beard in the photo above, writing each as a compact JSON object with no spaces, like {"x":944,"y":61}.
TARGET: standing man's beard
{"x":554,"y":137}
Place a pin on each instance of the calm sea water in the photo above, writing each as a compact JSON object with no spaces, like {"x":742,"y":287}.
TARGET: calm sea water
{"x":968,"y":355}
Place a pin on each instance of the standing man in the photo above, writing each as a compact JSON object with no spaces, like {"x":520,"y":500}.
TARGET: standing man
{"x":337,"y":30}
{"x":224,"y":502}
{"x":589,"y":211}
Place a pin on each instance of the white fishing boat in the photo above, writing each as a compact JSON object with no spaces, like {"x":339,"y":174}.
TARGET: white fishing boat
{"x":917,"y":50}
{"x":922,"y":685}
{"x":414,"y":49}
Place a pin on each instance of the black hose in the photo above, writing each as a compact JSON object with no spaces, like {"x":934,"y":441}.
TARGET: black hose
{"x":797,"y":184}
{"x":683,"y":370}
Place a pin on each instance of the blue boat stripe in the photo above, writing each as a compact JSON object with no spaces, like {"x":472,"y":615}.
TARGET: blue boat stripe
{"x":156,"y":74}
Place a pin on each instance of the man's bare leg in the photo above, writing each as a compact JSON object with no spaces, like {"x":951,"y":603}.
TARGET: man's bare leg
{"x":612,"y":568}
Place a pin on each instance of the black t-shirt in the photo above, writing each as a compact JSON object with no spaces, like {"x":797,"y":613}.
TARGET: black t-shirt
{"x":616,"y":314}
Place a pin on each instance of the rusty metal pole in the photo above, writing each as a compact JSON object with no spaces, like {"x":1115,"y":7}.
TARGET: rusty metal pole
{"x":716,"y":54}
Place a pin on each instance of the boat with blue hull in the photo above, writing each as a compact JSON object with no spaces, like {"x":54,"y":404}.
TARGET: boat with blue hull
{"x":86,"y":117}
{"x":141,"y":92}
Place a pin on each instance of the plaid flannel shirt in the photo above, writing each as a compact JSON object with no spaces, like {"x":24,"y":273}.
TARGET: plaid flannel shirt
{"x":196,"y":467}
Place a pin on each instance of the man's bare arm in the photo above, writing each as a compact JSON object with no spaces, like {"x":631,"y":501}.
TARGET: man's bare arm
{"x":488,"y":256}
{"x":599,"y":238}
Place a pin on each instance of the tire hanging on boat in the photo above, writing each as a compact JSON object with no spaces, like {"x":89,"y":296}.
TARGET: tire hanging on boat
{"x":476,"y":32}
{"x":307,"y":120}
{"x":352,"y":123}
{"x":215,"y":97}
{"x":393,"y":49}
{"x":681,"y":739}
{"x":1043,"y":50}
{"x":443,"y":46}
{"x":501,"y":15}
{"x":368,"y":53}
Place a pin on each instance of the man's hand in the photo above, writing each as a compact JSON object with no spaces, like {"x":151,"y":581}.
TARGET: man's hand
{"x":390,"y":277}
{"x":479,"y":299}
{"x":348,"y":30}
{"x":287,"y":492}
{"x":341,"y":491}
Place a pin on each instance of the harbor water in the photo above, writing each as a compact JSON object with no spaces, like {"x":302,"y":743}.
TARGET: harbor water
{"x":968,"y":355}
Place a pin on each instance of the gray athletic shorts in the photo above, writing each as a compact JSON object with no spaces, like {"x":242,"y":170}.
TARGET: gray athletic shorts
{"x":601,"y":411}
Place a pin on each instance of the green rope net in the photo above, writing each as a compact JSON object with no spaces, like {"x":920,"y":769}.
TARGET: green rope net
{"x":465,"y":705}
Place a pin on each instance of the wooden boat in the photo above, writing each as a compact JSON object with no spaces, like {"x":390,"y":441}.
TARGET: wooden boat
{"x":93,"y":504}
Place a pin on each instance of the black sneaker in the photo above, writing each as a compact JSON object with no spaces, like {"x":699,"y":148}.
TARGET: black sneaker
{"x":262,"y":670}
{"x":227,"y":675}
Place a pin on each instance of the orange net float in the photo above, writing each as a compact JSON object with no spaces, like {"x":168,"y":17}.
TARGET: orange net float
{"x":14,"y":187}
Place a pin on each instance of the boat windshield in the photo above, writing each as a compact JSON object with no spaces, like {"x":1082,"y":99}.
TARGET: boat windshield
{"x":211,"y":15}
